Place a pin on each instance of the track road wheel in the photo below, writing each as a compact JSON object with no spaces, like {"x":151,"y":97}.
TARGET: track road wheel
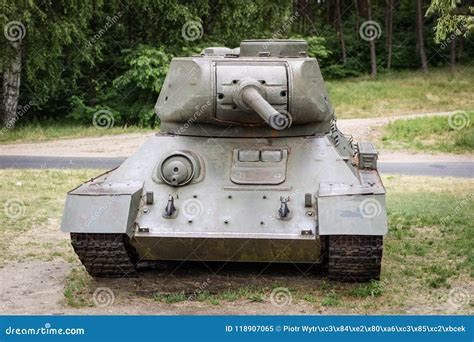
{"x":105,"y":255}
{"x":355,"y":258}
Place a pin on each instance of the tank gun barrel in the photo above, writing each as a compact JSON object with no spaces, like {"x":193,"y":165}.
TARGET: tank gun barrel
{"x":251,"y":95}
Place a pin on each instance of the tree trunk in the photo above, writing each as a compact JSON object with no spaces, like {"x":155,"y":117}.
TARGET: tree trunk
{"x":452,"y":59}
{"x":389,"y":29}
{"x":419,"y":35}
{"x":461,"y":48}
{"x":11,"y":87}
{"x":356,"y":5}
{"x":373,"y":56}
{"x":340,"y":34}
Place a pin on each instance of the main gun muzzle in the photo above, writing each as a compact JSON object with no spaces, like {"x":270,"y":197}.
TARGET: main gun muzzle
{"x":250,"y":94}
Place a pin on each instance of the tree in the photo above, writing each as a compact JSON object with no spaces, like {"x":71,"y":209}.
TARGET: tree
{"x":419,"y":36}
{"x":356,"y":9}
{"x":11,"y":81}
{"x":38,"y":36}
{"x":451,"y":19}
{"x":340,"y":34}
{"x":389,"y":9}
{"x":373,"y":56}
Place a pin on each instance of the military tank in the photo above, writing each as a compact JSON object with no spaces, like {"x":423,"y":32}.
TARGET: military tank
{"x":248,"y":166}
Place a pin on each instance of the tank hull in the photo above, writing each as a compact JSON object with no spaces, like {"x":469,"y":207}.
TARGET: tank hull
{"x":231,"y":211}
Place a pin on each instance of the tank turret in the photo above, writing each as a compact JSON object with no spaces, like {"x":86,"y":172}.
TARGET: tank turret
{"x":264,"y":88}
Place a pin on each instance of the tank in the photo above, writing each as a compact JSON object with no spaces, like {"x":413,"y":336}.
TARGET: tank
{"x":248,"y":166}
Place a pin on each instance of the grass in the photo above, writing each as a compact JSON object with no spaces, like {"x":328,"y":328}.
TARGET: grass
{"x":428,"y":251}
{"x":31,"y":206}
{"x":403,"y":92}
{"x":76,"y":291}
{"x":47,"y":131}
{"x":432,"y":134}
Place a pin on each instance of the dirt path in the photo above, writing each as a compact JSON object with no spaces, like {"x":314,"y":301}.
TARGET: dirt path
{"x":36,"y":287}
{"x":126,"y":144}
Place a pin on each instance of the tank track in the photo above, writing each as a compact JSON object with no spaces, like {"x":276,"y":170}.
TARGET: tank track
{"x":355,"y":258}
{"x":105,"y":255}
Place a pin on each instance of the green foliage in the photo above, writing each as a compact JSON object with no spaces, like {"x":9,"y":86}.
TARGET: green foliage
{"x":449,"y":22}
{"x":332,"y":299}
{"x":86,"y":55}
{"x":372,"y":289}
{"x":444,"y":134}
{"x":147,"y":68}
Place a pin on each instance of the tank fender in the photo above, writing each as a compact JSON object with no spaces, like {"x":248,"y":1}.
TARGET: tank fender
{"x":102,"y":207}
{"x":358,"y":211}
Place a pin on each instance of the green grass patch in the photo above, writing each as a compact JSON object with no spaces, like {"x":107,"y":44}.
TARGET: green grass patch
{"x":331,"y":299}
{"x":49,"y":131}
{"x":77,"y":288}
{"x":429,"y":248}
{"x":170,"y":298}
{"x":453,"y":134}
{"x":403,"y":92}
{"x":31,"y":204}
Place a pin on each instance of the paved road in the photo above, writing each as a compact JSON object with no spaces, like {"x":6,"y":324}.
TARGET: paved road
{"x":453,"y":169}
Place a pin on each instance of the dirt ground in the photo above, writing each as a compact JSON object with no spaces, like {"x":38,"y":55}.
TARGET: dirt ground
{"x":36,"y":285}
{"x":126,"y":144}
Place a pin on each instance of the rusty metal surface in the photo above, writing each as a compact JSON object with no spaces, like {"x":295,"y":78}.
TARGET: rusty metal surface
{"x":247,"y":250}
